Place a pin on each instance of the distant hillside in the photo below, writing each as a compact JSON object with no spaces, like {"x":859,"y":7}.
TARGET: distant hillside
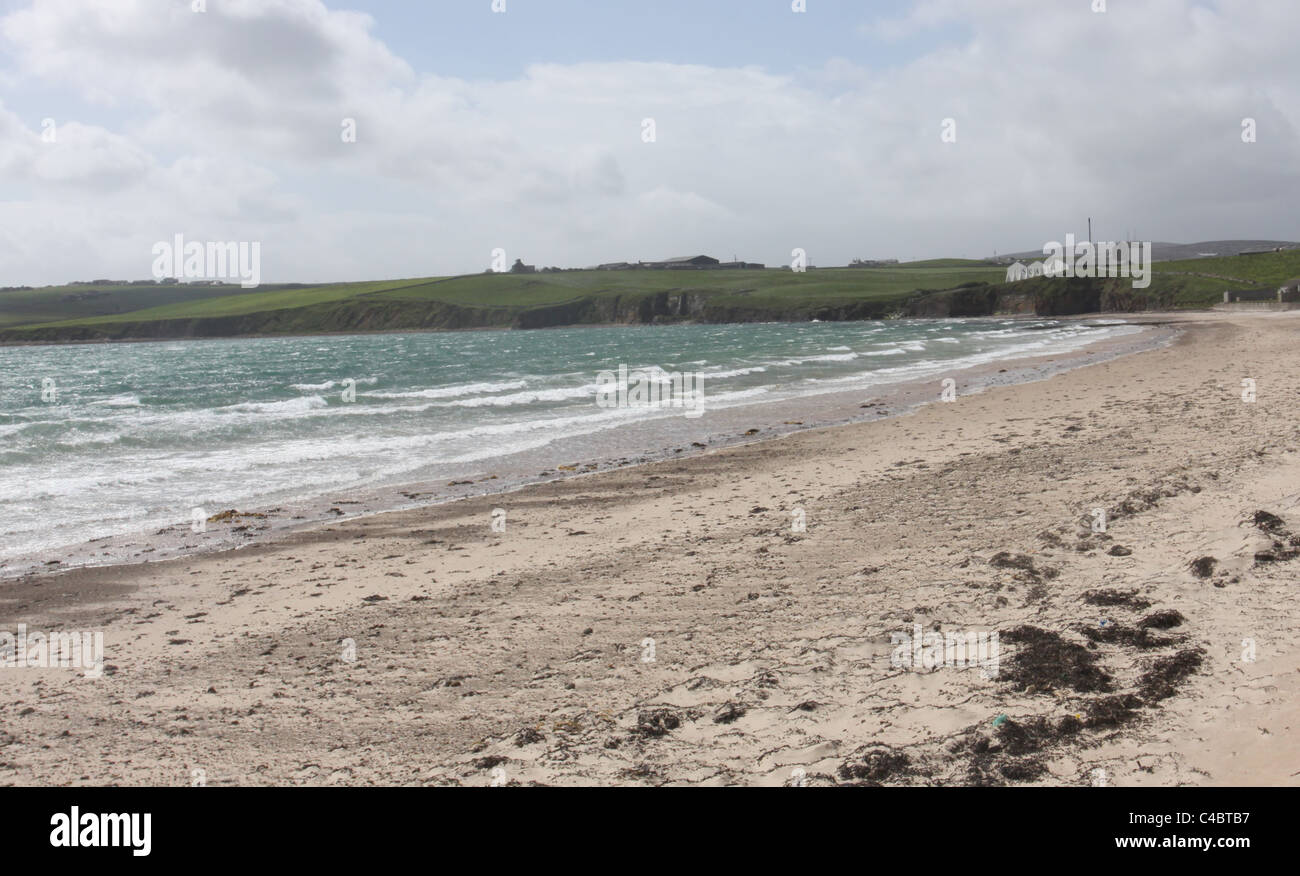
{"x":26,"y":306}
{"x":506,"y":301}
{"x":946,"y":263}
{"x":527,"y":301}
{"x":19,"y":306}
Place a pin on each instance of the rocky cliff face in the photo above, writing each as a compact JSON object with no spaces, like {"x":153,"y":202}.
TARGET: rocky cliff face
{"x":1040,"y":297}
{"x":604,"y":310}
{"x":670,"y":307}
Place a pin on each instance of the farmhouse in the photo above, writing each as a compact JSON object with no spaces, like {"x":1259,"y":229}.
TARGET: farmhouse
{"x":1286,"y":298}
{"x":1239,"y":296}
{"x":1018,"y":271}
{"x":684,"y":263}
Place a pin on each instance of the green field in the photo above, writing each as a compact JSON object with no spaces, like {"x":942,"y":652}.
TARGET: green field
{"x":482,"y":299}
{"x":583,"y":297}
{"x":1193,"y":283}
{"x":233,"y":302}
{"x":1268,"y":270}
{"x":29,"y":306}
{"x":819,"y":286}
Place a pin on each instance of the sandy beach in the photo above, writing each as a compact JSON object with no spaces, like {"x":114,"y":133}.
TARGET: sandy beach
{"x":673,"y":623}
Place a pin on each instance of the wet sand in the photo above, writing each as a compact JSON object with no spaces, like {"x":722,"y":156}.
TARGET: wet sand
{"x":669,"y":623}
{"x":669,"y":436}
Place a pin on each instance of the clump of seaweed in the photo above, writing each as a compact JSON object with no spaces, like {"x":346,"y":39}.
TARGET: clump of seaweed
{"x":1111,"y":711}
{"x":1110,"y":598}
{"x":1022,"y":563}
{"x":1167,"y":674}
{"x":1162,"y":620}
{"x":654,"y":723}
{"x":1025,"y":770}
{"x":1285,"y":545}
{"x":875,"y":766}
{"x":1118,"y":634}
{"x":1045,"y":661}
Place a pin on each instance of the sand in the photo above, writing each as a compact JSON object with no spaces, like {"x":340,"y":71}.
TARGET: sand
{"x":668,"y":624}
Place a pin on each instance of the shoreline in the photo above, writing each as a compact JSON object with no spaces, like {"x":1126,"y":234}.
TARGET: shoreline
{"x":1144,"y":314}
{"x":262,"y":524}
{"x":769,"y":648}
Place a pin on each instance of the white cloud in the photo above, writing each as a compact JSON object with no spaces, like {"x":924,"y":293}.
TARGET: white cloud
{"x":232,"y":130}
{"x":87,"y":158}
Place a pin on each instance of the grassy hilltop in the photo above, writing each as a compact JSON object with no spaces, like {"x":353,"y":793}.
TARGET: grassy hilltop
{"x":932,"y":288}
{"x":478,"y":300}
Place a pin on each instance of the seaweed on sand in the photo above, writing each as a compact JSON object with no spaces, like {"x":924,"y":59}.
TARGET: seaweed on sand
{"x":1045,"y":661}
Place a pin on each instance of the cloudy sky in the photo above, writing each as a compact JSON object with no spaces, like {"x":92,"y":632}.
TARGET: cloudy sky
{"x":126,"y":122}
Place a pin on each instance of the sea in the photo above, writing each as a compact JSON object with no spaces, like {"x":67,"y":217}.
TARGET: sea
{"x":108,"y":440}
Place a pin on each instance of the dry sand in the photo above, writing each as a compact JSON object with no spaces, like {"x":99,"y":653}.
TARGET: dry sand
{"x":521,"y":656}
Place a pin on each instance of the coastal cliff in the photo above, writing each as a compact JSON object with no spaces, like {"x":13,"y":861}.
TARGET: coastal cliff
{"x":372,"y":313}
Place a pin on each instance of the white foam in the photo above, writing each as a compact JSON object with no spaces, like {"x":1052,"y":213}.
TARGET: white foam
{"x":829,"y":357}
{"x":289,"y":406}
{"x":527,"y":398}
{"x":735,"y":372}
{"x":452,"y":391}
{"x":126,"y":400}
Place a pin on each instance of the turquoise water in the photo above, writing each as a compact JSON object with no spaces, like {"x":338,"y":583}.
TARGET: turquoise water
{"x":107,"y":439}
